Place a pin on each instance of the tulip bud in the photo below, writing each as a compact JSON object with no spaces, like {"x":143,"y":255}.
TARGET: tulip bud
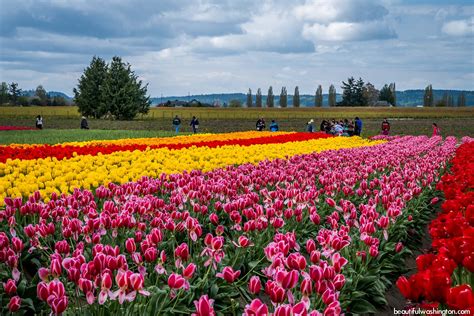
{"x":10,"y":287}
{"x":130,"y":245}
{"x":255,"y":285}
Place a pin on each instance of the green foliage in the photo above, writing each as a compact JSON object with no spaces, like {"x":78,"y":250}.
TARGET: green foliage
{"x":87,"y":95}
{"x":270,"y":98}
{"x":318,"y":99}
{"x":122,"y":94}
{"x":371,"y":94}
{"x":283,"y":98}
{"x":461,"y":99}
{"x":235,"y":103}
{"x":353,"y":93}
{"x":258,"y":98}
{"x":332,"y":96}
{"x":4,"y":95}
{"x":41,"y":94}
{"x":111,"y":90}
{"x":249,"y":99}
{"x":296,"y":98}
{"x":14,"y":92}
{"x":428,"y":100}
{"x":387,"y":95}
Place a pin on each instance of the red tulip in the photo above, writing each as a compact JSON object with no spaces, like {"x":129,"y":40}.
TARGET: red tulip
{"x":10,"y":287}
{"x":188,"y":272}
{"x":255,"y":285}
{"x":228,"y":274}
{"x":204,"y":307}
{"x":175,"y":281}
{"x":130,"y":245}
{"x":306,"y":287}
{"x":182,"y":252}
{"x":14,"y":304}
{"x":460,"y":297}
{"x":256,"y":308}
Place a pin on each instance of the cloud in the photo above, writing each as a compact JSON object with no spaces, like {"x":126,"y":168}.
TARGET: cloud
{"x":459,"y":28}
{"x":348,"y":31}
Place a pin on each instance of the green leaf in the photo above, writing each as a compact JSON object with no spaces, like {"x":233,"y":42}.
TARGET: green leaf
{"x":362,"y":306}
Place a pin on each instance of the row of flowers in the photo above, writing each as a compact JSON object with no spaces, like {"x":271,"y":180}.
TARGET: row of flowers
{"x":63,"y":151}
{"x":20,"y":178}
{"x":445,"y":276}
{"x":309,"y":235}
{"x":15,"y":128}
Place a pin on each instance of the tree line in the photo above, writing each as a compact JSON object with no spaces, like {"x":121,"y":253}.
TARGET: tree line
{"x":446,"y":101}
{"x":354,"y":93}
{"x":12,"y":94}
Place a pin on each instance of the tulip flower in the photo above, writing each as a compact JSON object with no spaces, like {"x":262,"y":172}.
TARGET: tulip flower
{"x":228,"y":274}
{"x":14,"y":304}
{"x":255,"y":285}
{"x":204,"y":307}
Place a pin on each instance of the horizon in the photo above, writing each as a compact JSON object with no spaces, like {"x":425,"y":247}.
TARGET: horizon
{"x":199,"y":47}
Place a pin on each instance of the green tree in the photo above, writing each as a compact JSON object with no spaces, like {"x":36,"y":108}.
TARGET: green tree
{"x":58,"y":101}
{"x":270,"y":98}
{"x":249,"y":98}
{"x":4,"y":95}
{"x":353,"y":93}
{"x":296,"y":98}
{"x":235,"y":103}
{"x":386,"y":95}
{"x":122,"y":93}
{"x":428,"y":100}
{"x":42,"y":95}
{"x":332,"y":96}
{"x":462,"y":99}
{"x":283,"y":98}
{"x":258,"y":98}
{"x":318,"y":99}
{"x":371,"y":94}
{"x":87,"y":95}
{"x":14,"y":92}
{"x":393,"y":90}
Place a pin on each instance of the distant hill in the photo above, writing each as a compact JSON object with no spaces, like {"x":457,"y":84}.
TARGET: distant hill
{"x":406,"y":98}
{"x":52,"y":94}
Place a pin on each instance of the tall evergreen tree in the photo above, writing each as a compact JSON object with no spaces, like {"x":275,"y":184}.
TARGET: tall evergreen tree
{"x":87,"y":95}
{"x":318,"y":99}
{"x":258,"y":98}
{"x":122,"y":93}
{"x":332,"y":96}
{"x":296,"y":98}
{"x":14,"y":92}
{"x":428,"y":100}
{"x":4,"y":95}
{"x":270,"y":98}
{"x":249,"y":98}
{"x":353,"y":93}
{"x":386,"y":95}
{"x":393,"y":91}
{"x":462,"y":99}
{"x":283,"y":98}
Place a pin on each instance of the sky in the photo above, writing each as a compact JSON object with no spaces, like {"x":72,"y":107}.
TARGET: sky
{"x":219,"y":46}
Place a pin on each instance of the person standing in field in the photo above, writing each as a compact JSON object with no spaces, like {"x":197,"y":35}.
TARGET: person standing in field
{"x":274,"y":126}
{"x":39,"y":122}
{"x":310,"y":126}
{"x":436,"y":130}
{"x":260,"y":124}
{"x":84,"y":124}
{"x":385,"y":127}
{"x":176,"y":123}
{"x":194,"y":124}
{"x":358,"y":126}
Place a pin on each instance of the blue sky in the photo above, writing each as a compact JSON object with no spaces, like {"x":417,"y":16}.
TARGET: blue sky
{"x":215,"y":46}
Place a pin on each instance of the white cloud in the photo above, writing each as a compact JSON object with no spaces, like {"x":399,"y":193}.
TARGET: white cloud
{"x":459,"y":28}
{"x":348,"y":31}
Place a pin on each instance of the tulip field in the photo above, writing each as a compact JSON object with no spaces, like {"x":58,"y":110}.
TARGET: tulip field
{"x":242,"y":223}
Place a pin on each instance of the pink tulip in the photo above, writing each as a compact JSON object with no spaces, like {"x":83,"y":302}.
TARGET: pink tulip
{"x":255,"y":285}
{"x":14,"y":304}
{"x":228,"y":274}
{"x":256,"y":308}
{"x":204,"y":307}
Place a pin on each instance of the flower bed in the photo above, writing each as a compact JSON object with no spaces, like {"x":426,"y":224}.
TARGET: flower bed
{"x":311,"y":234}
{"x":445,"y":276}
{"x":61,"y":151}
{"x":20,"y":178}
{"x":16,"y":128}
